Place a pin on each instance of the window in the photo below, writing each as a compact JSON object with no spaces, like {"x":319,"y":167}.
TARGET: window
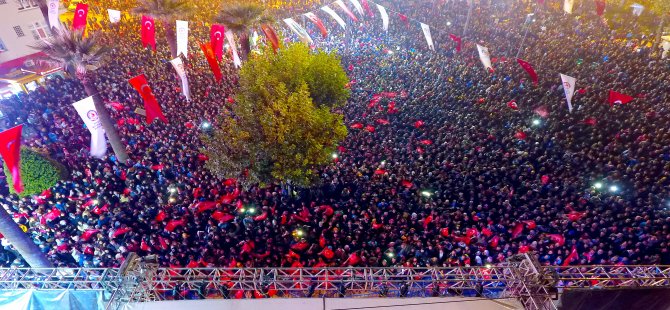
{"x":39,"y":30}
{"x":19,"y":31}
{"x":2,"y":46}
{"x":3,"y":1}
{"x":26,"y":4}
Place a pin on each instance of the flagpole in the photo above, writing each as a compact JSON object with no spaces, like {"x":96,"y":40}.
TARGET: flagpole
{"x":527,"y":25}
{"x":467,"y":19}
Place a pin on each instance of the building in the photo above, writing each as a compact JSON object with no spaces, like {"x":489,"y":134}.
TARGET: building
{"x":21,"y":25}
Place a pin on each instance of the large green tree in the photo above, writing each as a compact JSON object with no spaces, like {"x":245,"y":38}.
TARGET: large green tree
{"x":167,"y":12}
{"x":241,"y":18}
{"x":280,"y":129}
{"x":80,"y":56}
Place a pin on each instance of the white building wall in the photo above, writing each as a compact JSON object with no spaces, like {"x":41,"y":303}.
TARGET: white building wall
{"x":21,"y":25}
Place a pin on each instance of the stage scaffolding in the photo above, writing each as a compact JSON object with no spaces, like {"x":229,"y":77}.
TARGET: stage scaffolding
{"x":536,"y":287}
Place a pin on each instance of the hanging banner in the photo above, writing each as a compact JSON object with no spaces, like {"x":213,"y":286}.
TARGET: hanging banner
{"x":385,"y":17}
{"x":151,"y":106}
{"x":429,"y":38}
{"x":216,"y":39}
{"x":148,"y":32}
{"x":91,"y":118}
{"x":211,"y":60}
{"x":358,"y":7}
{"x":298,"y":30}
{"x":231,"y":42}
{"x":334,"y":15}
{"x":114,"y":16}
{"x":315,"y":19}
{"x":80,"y":17}
{"x":53,"y":13}
{"x":637,"y":9}
{"x":567,"y":6}
{"x":569,"y":88}
{"x":271,"y":36}
{"x":346,"y":10}
{"x":182,"y":38}
{"x":485,"y":57}
{"x":178,"y":65}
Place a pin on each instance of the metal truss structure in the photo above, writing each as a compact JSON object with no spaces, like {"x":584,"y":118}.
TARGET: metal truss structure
{"x":520,"y":278}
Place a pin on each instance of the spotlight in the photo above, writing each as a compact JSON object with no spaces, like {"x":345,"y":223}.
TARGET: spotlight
{"x":383,"y":162}
{"x":95,"y":201}
{"x":390,"y":254}
{"x":334,"y":155}
{"x":252,"y":210}
{"x":614,"y":188}
{"x":171,"y":200}
{"x":205,"y":125}
{"x":172,"y":190}
{"x":426,"y":194}
{"x":488,"y":265}
{"x":243,"y":210}
{"x":448,"y":23}
{"x":598,"y":185}
{"x":536,"y":122}
{"x":299,"y":232}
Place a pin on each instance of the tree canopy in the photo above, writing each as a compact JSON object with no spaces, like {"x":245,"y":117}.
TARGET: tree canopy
{"x":281,"y":127}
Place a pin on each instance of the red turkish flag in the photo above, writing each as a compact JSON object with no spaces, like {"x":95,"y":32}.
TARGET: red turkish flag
{"x":10,"y":150}
{"x":600,"y":7}
{"x":520,"y":135}
{"x":216,"y":39}
{"x":418,"y":124}
{"x":319,"y":24}
{"x":512,"y":105}
{"x":404,"y":19}
{"x":591,"y":121}
{"x":557,"y":238}
{"x":148,"y":32}
{"x":366,"y":6}
{"x":573,"y":256}
{"x":529,"y":68}
{"x":518,"y":229}
{"x":458,"y":41}
{"x":153,"y":109}
{"x":618,"y":98}
{"x":213,"y":64}
{"x":80,"y":17}
{"x":271,"y":36}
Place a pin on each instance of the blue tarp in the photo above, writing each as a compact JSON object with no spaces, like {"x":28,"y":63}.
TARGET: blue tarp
{"x":52,"y":300}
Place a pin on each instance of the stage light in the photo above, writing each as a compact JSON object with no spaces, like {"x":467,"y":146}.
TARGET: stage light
{"x":488,"y":265}
{"x":614,"y":188}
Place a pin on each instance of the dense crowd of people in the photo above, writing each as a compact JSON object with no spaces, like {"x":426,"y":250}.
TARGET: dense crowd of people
{"x":437,"y":169}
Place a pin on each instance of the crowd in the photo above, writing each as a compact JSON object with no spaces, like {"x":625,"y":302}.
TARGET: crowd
{"x":437,"y":169}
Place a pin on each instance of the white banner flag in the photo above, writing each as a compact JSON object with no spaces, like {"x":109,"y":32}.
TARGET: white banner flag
{"x":637,"y":9}
{"x":334,"y":15}
{"x":429,"y":39}
{"x":179,"y":67}
{"x":357,"y":6}
{"x":182,"y":38}
{"x":233,"y":46}
{"x":114,"y":16}
{"x":569,"y":88}
{"x":53,"y":13}
{"x":88,"y":113}
{"x":567,"y":6}
{"x":385,"y":17}
{"x":299,"y":30}
{"x":484,"y":56}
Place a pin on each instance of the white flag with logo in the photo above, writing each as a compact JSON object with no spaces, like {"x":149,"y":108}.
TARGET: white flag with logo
{"x":334,"y":15}
{"x":233,"y":46}
{"x":385,"y":17}
{"x":569,"y":88}
{"x":358,"y":6}
{"x":484,"y":56}
{"x":182,"y":37}
{"x":88,"y":113}
{"x":567,"y":6}
{"x":53,"y":13}
{"x":114,"y":16}
{"x":179,"y":67}
{"x":429,"y":39}
{"x":638,"y":8}
{"x":297,"y":29}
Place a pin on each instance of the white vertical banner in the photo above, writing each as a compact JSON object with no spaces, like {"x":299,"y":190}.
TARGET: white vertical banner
{"x":357,"y":6}
{"x":385,"y":17}
{"x":233,"y":46}
{"x":114,"y":16}
{"x":429,"y":38}
{"x":484,"y":56}
{"x":638,"y":8}
{"x":299,"y":30}
{"x":182,"y":37}
{"x":569,"y":88}
{"x":334,"y":15}
{"x":54,"y":22}
{"x":88,"y":113}
{"x":567,"y":6}
{"x":179,"y":67}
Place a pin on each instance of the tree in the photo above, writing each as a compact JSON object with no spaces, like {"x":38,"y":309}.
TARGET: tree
{"x":38,"y":173}
{"x":241,"y":18}
{"x":167,"y":12}
{"x":80,"y":56}
{"x":279,"y":130}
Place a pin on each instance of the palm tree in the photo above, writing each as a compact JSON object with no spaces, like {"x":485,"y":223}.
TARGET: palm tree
{"x":22,"y":242}
{"x":241,"y":18}
{"x":167,"y":12}
{"x":80,"y":56}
